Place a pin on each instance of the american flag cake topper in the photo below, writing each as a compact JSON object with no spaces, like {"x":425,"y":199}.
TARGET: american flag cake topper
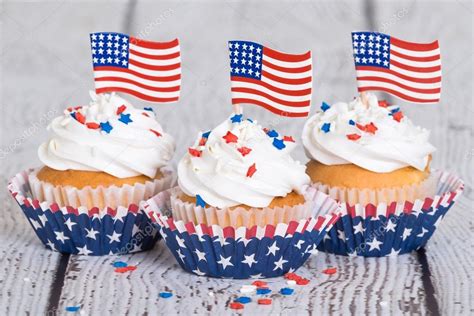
{"x":409,"y":71}
{"x":147,"y":70}
{"x":279,"y":82}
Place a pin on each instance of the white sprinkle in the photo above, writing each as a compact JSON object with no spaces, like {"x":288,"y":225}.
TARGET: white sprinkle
{"x":211,"y":294}
{"x":383,"y":303}
{"x":248,"y":289}
{"x":291,"y":282}
{"x":26,"y":279}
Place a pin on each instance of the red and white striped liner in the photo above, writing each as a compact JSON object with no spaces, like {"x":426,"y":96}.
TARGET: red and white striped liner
{"x":17,"y":188}
{"x":450,"y":188}
{"x":324,"y":218}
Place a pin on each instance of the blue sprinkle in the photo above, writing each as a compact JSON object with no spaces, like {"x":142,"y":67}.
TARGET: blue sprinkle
{"x":237,"y":118}
{"x":263,"y":291}
{"x":125,"y":118}
{"x":286,"y":291}
{"x":206,"y":134}
{"x":325,"y":106}
{"x":148,"y":109}
{"x":72,"y":308}
{"x":278,"y":143}
{"x":325,"y":128}
{"x":106,"y":127}
{"x":73,"y":114}
{"x":120,"y":264}
{"x":200,"y":201}
{"x":395,"y":110}
{"x":251,"y":121}
{"x":244,"y":299}
{"x":272,"y":133}
{"x":165,"y":294}
{"x":351,"y":122}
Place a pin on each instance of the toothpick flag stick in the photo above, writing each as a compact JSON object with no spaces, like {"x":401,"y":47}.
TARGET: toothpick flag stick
{"x":147,"y":70}
{"x":279,"y":82}
{"x":409,"y":71}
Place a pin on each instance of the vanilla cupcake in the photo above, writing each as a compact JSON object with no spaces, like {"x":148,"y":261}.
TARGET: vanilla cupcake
{"x":243,"y":207}
{"x":368,"y":153}
{"x":101,"y":161}
{"x":107,"y":153}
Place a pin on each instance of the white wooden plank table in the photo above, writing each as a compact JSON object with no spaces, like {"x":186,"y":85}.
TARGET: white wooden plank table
{"x":46,"y":67}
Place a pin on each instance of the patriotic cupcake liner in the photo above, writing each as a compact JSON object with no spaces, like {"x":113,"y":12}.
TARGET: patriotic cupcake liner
{"x":81,"y":230}
{"x":241,"y":253}
{"x":393,"y":228}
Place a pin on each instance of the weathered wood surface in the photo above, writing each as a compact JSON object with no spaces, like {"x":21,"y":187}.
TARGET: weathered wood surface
{"x":46,"y":66}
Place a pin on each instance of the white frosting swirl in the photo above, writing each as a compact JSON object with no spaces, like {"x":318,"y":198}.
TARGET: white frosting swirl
{"x":218,"y":172}
{"x":393,"y":145}
{"x":135,"y":144}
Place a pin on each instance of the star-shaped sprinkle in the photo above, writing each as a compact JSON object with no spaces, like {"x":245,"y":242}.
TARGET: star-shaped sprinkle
{"x":383,"y":103}
{"x":230,"y":138}
{"x":288,"y":139}
{"x":106,"y":127}
{"x":325,"y":106}
{"x":279,"y":143}
{"x":397,"y":116}
{"x":199,"y":201}
{"x":252,"y":169}
{"x":351,"y":122}
{"x":92,"y":125}
{"x":237,"y":118}
{"x":353,"y":136}
{"x":371,"y":128}
{"x":194,"y":152}
{"x":244,"y":150}
{"x":120,"y":109}
{"x":326,"y":127}
{"x":125,"y":118}
{"x":158,"y":134}
{"x":272,"y":133}
{"x":206,"y":134}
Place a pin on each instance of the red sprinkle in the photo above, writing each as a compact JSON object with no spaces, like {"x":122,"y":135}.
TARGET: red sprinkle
{"x":252,"y":169}
{"x":230,"y":138}
{"x":288,"y":139}
{"x":244,"y":150}
{"x":70,"y":109}
{"x":292,"y":276}
{"x":125,"y":269}
{"x":194,"y":152}
{"x":353,"y":136}
{"x":259,"y":283}
{"x":145,"y":114}
{"x":80,"y":118}
{"x":265,"y":130}
{"x":78,"y":107}
{"x":236,"y":305}
{"x":202,"y":141}
{"x":397,"y":116}
{"x":302,"y":281}
{"x":368,"y":128}
{"x":383,"y":103}
{"x":264,"y":301}
{"x":155,"y":132}
{"x":92,"y":125}
{"x":121,"y":109}
{"x":330,"y":271}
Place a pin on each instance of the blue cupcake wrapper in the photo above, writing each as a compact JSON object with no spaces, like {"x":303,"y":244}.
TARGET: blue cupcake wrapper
{"x":242,"y":253}
{"x":391,"y":229}
{"x":81,"y":231}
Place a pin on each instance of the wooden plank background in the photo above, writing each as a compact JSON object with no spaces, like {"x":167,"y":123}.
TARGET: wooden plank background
{"x":45,"y":66}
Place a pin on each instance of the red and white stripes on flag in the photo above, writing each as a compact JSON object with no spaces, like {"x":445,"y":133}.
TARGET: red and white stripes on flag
{"x":279,"y":82}
{"x":148,"y":70}
{"x":409,"y":71}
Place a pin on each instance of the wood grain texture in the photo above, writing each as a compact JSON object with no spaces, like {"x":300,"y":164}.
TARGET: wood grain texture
{"x":46,"y":75}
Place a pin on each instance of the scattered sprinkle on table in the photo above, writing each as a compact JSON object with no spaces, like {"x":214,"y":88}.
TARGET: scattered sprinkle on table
{"x":265,"y":301}
{"x":125,"y":269}
{"x":330,"y":271}
{"x":72,"y":309}
{"x":165,"y":294}
{"x":248,"y":289}
{"x":302,"y":281}
{"x":286,"y":291}
{"x":291,"y":282}
{"x":259,"y":283}
{"x":120,"y":264}
{"x":236,"y":305}
{"x":263,"y":291}
{"x":244,"y":300}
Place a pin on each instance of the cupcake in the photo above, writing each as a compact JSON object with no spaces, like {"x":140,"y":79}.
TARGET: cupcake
{"x":372,"y":158}
{"x":368,"y":153}
{"x":102,"y":160}
{"x":241,"y":195}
